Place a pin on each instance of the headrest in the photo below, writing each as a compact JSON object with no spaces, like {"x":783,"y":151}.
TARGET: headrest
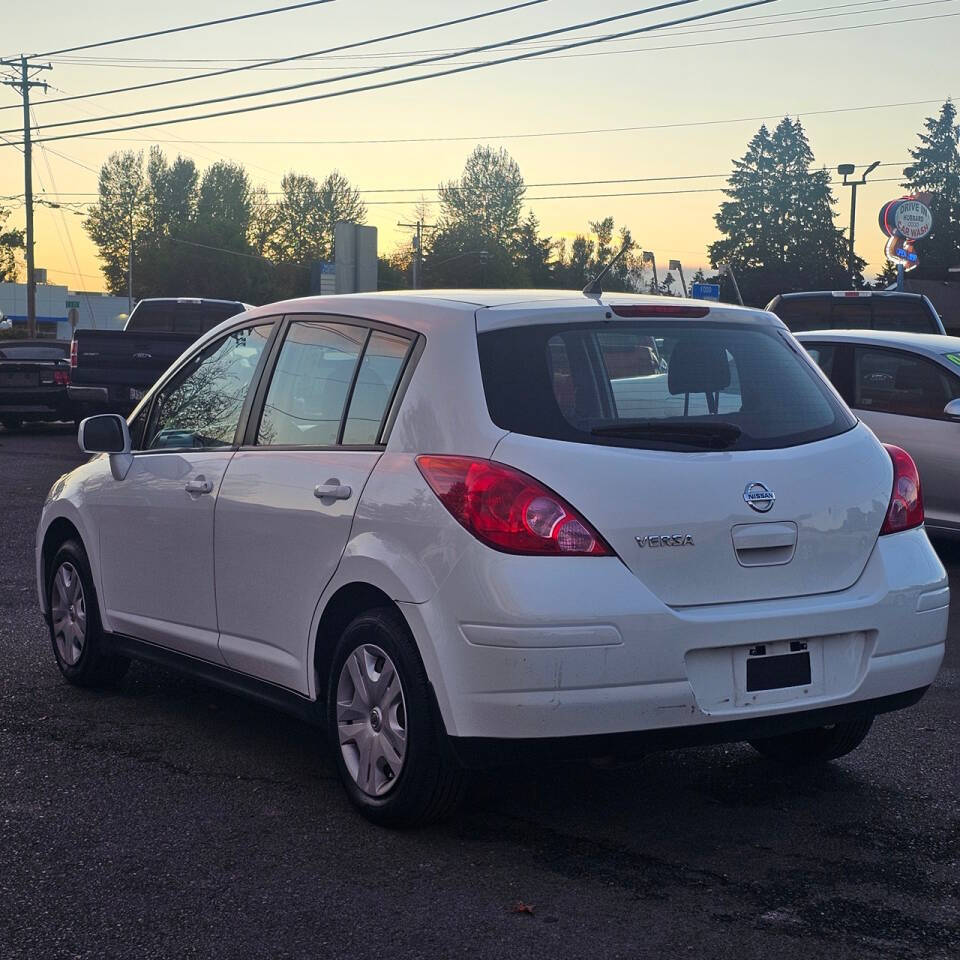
{"x":698,"y":366}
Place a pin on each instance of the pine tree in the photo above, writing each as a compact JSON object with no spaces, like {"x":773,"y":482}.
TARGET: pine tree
{"x":936,"y":170}
{"x":779,"y":220}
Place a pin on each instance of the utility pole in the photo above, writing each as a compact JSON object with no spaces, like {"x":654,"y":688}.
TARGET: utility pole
{"x":417,"y":264}
{"x":23,"y":83}
{"x":845,"y":170}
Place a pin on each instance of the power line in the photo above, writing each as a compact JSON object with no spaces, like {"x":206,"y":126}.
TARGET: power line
{"x":66,"y":229}
{"x":144,"y":62}
{"x":181,"y":29}
{"x":302,"y":56}
{"x":383,"y":69}
{"x":237,"y":253}
{"x":460,"y":138}
{"x":533,"y":186}
{"x":405,"y":80}
{"x":571,"y":196}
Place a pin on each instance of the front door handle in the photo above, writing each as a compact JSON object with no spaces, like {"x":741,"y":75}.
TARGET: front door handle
{"x":332,"y":490}
{"x":199,"y":485}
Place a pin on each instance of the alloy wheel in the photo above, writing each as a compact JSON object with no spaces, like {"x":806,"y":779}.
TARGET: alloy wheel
{"x":69,"y":613}
{"x":371,"y":719}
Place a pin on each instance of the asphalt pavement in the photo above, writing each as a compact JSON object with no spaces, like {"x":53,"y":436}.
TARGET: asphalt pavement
{"x":167,"y":819}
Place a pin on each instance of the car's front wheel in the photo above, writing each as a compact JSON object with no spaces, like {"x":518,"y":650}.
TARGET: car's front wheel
{"x":382,"y":726}
{"x":818,"y":745}
{"x":75,"y":631}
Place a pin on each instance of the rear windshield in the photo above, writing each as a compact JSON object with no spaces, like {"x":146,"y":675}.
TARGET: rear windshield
{"x":658,"y":385}
{"x":168,"y":316}
{"x":856,"y":313}
{"x":28,"y":351}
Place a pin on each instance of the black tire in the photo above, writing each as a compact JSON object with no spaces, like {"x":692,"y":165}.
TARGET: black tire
{"x":819,"y":745}
{"x":428,"y":787}
{"x":94,"y":665}
{"x":11,"y":423}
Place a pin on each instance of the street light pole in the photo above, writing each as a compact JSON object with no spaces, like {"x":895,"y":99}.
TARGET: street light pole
{"x":845,"y":170}
{"x":678,"y":266}
{"x":648,"y":257}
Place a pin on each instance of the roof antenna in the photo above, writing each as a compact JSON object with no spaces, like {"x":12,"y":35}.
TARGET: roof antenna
{"x":593,"y":288}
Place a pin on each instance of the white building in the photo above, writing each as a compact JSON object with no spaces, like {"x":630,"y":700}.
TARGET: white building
{"x":97,"y":310}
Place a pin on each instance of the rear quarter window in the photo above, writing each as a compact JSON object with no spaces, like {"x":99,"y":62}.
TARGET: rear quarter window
{"x":643,"y":384}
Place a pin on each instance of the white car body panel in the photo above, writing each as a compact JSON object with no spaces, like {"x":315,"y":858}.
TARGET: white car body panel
{"x":277,"y":546}
{"x":518,"y":647}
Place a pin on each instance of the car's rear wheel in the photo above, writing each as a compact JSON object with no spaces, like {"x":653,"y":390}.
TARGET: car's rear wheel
{"x":75,"y":630}
{"x":382,"y":727}
{"x":818,"y":745}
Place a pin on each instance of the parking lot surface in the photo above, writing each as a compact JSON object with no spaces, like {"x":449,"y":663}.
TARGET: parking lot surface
{"x":168,"y":819}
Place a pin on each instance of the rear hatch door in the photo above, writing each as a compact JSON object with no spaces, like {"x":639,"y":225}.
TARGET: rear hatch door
{"x":709,"y":451}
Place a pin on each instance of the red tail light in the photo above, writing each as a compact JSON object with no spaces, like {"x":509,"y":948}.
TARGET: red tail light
{"x":509,"y":510}
{"x":906,"y":501}
{"x":73,"y":354}
{"x":61,"y":377}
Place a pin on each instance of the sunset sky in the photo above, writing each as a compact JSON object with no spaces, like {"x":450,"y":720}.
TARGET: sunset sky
{"x":699,"y":90}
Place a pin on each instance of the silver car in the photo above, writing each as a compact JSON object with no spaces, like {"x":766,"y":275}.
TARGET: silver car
{"x":906,"y":388}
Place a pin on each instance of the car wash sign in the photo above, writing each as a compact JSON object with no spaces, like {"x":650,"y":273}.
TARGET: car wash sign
{"x":904,"y":222}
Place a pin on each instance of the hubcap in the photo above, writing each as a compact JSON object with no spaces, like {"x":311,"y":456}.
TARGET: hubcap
{"x":68,"y":609}
{"x":371,"y":719}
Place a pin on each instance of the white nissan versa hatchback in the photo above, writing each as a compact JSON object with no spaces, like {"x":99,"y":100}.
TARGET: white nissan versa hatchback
{"x":461,"y":528}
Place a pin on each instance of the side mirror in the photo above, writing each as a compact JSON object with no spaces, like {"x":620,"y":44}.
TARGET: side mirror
{"x":106,"y":433}
{"x":952,"y":410}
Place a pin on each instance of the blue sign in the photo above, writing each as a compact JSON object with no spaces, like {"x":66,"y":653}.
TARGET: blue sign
{"x":705,"y":291}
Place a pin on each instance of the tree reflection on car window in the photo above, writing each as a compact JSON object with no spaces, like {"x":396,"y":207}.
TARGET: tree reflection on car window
{"x":200,"y":407}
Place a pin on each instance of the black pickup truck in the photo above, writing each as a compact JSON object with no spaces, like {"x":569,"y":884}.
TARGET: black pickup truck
{"x":110,"y":370}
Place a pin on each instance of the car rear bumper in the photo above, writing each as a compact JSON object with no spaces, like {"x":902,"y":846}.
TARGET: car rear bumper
{"x":35,"y":404}
{"x":580,"y":648}
{"x":485,"y":752}
{"x":102,"y":399}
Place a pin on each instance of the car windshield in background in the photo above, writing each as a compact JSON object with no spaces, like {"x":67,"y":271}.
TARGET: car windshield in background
{"x":29,"y":351}
{"x":657,"y":385}
{"x":171,"y":316}
{"x":908,"y":314}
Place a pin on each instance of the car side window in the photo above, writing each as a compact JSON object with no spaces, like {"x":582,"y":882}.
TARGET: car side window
{"x":891,"y":381}
{"x":310,"y":384}
{"x":379,"y":372}
{"x":200,"y":407}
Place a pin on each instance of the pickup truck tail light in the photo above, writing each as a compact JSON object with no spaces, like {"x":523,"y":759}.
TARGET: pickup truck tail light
{"x":61,"y":377}
{"x":906,"y":500}
{"x":509,"y":510}
{"x":73,"y":354}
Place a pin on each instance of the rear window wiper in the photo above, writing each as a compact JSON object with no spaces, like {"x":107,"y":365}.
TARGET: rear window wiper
{"x":711,"y":436}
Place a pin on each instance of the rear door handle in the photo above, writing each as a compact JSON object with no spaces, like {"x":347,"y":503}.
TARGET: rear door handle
{"x":332,"y":490}
{"x":198,"y":485}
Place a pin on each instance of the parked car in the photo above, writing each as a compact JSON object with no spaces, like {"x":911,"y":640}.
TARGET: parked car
{"x":447,"y":533}
{"x":34,"y":375}
{"x":906,"y":388}
{"x":112,"y":369}
{"x":856,"y":310}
